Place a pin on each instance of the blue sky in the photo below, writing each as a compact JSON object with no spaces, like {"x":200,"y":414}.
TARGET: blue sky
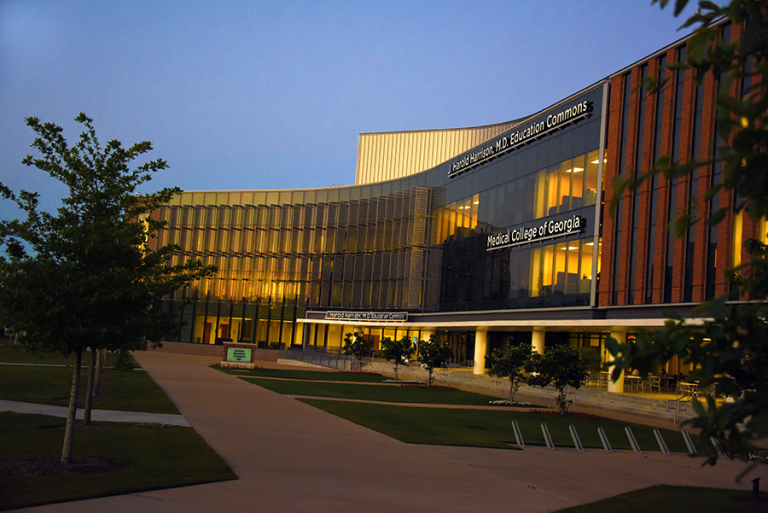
{"x":271,"y":95}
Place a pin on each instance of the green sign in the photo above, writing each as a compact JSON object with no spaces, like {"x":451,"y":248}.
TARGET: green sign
{"x":236,"y":354}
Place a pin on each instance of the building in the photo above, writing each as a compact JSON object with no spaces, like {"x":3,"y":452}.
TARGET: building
{"x":484,"y":236}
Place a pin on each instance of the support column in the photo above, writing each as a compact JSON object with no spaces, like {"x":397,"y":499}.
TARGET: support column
{"x":481,"y":346}
{"x":537,"y":340}
{"x":618,"y":386}
{"x":305,"y":329}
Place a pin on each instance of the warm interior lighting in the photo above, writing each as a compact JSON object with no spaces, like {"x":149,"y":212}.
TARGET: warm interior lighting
{"x":476,"y":202}
{"x":597,"y":161}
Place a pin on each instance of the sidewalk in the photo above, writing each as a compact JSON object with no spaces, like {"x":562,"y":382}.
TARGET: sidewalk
{"x":292,"y":457}
{"x":96,"y":415}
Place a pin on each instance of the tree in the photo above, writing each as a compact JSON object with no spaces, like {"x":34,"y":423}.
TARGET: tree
{"x":85,"y":276}
{"x":509,"y":363}
{"x":397,"y":350}
{"x":560,"y":366}
{"x":728,"y":349}
{"x":358,"y":346}
{"x":434,"y":354}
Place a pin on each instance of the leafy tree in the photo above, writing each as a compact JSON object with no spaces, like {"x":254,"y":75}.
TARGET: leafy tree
{"x":509,"y":363}
{"x":86,"y":276}
{"x":358,"y":346}
{"x":560,"y":366}
{"x":434,"y":354}
{"x":398,"y":350}
{"x":728,"y":350}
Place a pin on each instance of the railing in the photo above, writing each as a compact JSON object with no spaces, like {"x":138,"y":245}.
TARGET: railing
{"x":331,"y":361}
{"x":465,"y":363}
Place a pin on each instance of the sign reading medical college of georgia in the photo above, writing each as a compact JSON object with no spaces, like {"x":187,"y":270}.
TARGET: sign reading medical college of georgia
{"x":526,"y":234}
{"x":236,"y":354}
{"x":368,"y":316}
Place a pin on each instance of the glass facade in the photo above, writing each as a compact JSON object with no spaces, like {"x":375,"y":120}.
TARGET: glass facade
{"x":416,"y":244}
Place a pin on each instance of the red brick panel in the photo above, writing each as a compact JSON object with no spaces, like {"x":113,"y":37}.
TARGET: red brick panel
{"x":725,"y":228}
{"x":683,"y":183}
{"x":610,"y":170}
{"x":643,"y":228}
{"x":705,"y":180}
{"x":662,"y":220}
{"x":622,"y":266}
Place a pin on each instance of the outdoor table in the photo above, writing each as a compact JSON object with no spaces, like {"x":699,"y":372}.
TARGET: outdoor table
{"x":633,"y":381}
{"x":688,"y":388}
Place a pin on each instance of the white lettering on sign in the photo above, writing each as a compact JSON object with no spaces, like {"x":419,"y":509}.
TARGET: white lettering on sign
{"x":521,"y":137}
{"x":526,"y":234}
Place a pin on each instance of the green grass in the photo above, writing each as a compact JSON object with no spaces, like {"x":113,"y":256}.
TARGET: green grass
{"x":310,"y":375}
{"x":159,"y":457}
{"x":386,"y":393}
{"x":129,"y":390}
{"x":488,"y":428}
{"x":676,"y":499}
{"x":13,"y":353}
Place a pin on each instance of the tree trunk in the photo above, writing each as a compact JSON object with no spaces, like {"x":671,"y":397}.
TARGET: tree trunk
{"x":99,"y":366}
{"x":66,"y":453}
{"x":89,"y":389}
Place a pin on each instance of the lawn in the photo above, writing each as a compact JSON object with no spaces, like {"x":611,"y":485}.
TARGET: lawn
{"x":309,"y":375}
{"x":488,"y":428}
{"x":159,"y":457}
{"x":675,"y":499}
{"x":15,"y":354}
{"x":122,"y":390}
{"x":385,"y":393}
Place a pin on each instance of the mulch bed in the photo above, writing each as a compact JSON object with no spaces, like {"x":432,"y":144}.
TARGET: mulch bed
{"x":52,"y":466}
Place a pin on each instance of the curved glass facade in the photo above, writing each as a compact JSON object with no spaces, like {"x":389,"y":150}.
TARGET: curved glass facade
{"x":417,"y":244}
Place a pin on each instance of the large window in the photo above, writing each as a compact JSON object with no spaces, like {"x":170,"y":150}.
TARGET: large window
{"x":568,"y":185}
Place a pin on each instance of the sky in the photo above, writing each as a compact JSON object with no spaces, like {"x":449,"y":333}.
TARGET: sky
{"x":272,"y":95}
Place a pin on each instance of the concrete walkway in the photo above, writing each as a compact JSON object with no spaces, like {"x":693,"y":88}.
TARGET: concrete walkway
{"x":292,"y":457}
{"x":97,"y":415}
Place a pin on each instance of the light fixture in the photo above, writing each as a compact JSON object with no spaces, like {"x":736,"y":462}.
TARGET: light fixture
{"x":476,"y":202}
{"x":577,"y":170}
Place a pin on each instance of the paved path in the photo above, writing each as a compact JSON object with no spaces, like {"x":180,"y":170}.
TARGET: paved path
{"x":292,"y":457}
{"x":99,"y":415}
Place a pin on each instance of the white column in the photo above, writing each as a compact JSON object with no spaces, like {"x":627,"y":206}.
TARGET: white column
{"x":618,"y":386}
{"x":305,"y":330}
{"x":537,"y":340}
{"x":481,"y":346}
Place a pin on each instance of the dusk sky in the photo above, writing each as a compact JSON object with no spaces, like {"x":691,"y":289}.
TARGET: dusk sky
{"x":273,"y":95}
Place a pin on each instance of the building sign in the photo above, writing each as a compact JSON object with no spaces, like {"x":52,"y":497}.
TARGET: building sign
{"x":368,"y":316}
{"x":521,"y":137}
{"x":237,"y":354}
{"x":550,"y":229}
